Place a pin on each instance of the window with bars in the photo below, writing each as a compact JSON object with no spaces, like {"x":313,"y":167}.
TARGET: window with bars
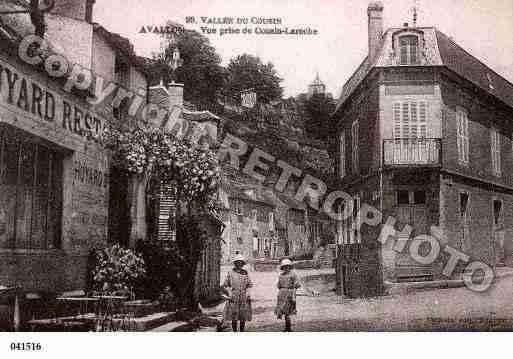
{"x":410,"y":119}
{"x":355,"y":146}
{"x":463,"y":138}
{"x":30,"y":192}
{"x":496,"y":151}
{"x":409,"y":50}
{"x":342,"y":168}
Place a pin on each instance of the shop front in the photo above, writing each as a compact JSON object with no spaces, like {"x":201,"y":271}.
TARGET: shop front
{"x":54,"y":180}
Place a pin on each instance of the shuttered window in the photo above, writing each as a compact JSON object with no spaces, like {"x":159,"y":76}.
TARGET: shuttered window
{"x":167,"y":212}
{"x":462,"y":136}
{"x":496,"y":151}
{"x":30,"y":192}
{"x":342,"y":144}
{"x":355,"y":146}
{"x":410,"y":119}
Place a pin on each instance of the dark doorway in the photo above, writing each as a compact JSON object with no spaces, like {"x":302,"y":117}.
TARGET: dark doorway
{"x":119,"y":207}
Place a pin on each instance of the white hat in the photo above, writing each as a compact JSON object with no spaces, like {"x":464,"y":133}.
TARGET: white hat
{"x":285,"y":262}
{"x":239,"y":257}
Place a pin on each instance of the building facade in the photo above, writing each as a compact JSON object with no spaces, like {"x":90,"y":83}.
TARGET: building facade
{"x":424,"y":137}
{"x":54,"y":175}
{"x":60,"y":195}
{"x":262,"y":224}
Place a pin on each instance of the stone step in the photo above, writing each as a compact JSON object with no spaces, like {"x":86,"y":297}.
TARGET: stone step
{"x":168,"y":327}
{"x":154,"y":320}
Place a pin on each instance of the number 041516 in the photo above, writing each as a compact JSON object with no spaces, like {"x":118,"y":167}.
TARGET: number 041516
{"x":26,"y":346}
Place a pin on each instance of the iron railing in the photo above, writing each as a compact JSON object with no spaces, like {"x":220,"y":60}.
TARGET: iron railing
{"x":412,"y":151}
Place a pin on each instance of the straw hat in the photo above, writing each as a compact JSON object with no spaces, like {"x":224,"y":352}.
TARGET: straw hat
{"x":239,"y":258}
{"x":285,"y":262}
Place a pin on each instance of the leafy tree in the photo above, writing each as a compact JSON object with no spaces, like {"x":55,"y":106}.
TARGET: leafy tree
{"x":318,"y":123}
{"x":248,"y":71}
{"x":200,"y":71}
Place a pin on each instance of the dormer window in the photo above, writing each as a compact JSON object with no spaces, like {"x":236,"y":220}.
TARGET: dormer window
{"x":409,"y":49}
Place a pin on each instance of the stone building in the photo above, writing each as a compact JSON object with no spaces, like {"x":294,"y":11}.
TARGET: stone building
{"x":199,"y":127}
{"x":54,"y":193}
{"x":261,"y":223}
{"x":250,"y":228}
{"x":60,"y":196}
{"x":424,"y":136}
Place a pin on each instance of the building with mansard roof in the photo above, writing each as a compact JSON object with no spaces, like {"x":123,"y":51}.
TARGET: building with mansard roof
{"x":424,"y":135}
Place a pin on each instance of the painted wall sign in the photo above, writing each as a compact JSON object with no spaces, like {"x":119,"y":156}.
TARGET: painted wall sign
{"x":38,"y":102}
{"x":82,"y":173}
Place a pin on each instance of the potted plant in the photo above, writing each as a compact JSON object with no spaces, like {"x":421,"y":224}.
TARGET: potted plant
{"x":117,"y":270}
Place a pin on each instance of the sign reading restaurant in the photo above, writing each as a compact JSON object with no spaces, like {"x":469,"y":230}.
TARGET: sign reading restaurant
{"x":18,"y":90}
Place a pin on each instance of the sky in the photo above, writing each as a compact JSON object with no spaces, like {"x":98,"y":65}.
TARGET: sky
{"x":484,"y":28}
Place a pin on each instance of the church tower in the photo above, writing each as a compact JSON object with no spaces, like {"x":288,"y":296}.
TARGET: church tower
{"x":316,"y":87}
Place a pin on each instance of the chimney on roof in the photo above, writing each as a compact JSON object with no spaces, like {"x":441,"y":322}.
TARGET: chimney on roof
{"x":375,"y":31}
{"x":75,"y":9}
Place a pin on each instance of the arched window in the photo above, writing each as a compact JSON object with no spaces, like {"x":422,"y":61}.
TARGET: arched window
{"x":409,"y":49}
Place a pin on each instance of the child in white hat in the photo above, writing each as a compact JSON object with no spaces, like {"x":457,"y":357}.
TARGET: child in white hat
{"x":288,"y":283}
{"x":238,"y":308}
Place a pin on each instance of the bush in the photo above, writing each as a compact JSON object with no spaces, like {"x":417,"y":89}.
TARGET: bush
{"x":172,"y":265}
{"x":117,"y":270}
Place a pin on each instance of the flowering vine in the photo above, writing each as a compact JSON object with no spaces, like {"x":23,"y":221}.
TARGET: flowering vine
{"x":149,"y":151}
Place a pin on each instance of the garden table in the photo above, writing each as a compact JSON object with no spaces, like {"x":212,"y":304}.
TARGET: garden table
{"x":107,"y":303}
{"x":106,"y":310}
{"x":82,"y":301}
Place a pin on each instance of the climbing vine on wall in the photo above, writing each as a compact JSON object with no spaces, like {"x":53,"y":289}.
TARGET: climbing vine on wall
{"x":157,"y":153}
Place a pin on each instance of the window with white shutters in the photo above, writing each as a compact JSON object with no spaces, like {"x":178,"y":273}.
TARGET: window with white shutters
{"x":355,"y":145}
{"x":410,"y":119}
{"x":462,"y":136}
{"x":496,"y":151}
{"x":342,"y":168}
{"x":422,"y":119}
{"x":397,"y":119}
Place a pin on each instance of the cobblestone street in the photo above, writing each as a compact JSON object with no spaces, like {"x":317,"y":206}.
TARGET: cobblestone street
{"x":435,"y":309}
